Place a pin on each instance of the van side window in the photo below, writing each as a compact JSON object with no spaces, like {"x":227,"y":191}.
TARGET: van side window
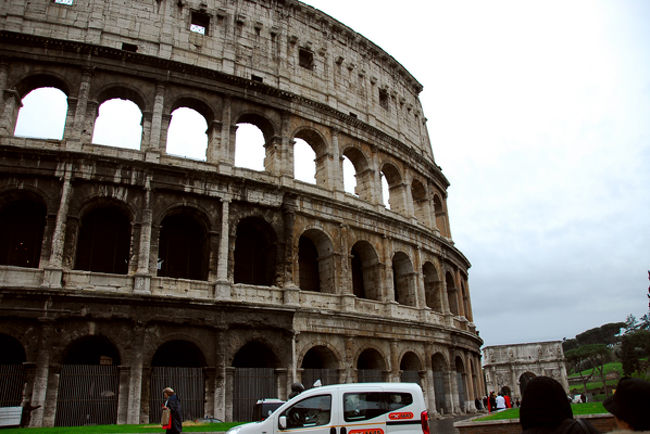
{"x":313,"y":411}
{"x":364,"y":406}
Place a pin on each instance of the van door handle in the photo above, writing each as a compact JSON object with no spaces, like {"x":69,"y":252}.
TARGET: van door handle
{"x":343,"y":430}
{"x":332,"y":430}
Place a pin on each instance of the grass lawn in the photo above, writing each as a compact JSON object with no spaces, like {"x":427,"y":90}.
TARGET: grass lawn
{"x":578,"y":409}
{"x":109,"y":429}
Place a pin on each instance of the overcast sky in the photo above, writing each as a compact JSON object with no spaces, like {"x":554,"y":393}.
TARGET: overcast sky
{"x":539,"y":115}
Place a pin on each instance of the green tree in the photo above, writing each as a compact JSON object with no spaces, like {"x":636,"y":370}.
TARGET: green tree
{"x":635,"y":345}
{"x":592,"y":356}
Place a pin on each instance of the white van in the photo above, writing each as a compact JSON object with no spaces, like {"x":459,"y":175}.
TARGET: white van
{"x":363,"y":408}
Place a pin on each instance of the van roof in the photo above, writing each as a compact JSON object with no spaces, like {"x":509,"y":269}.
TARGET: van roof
{"x":353,"y":387}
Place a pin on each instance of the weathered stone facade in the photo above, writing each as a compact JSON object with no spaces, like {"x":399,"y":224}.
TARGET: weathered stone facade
{"x":510,"y":366}
{"x":142,"y":260}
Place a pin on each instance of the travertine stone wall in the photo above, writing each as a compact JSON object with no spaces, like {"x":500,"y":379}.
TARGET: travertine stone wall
{"x":352,"y":100}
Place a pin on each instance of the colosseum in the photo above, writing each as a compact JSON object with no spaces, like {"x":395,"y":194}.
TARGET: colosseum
{"x":125,"y":269}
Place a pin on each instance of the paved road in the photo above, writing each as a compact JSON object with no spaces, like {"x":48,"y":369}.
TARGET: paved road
{"x":446,"y":426}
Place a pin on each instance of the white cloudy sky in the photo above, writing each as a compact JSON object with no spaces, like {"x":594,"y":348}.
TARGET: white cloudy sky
{"x":539,"y":114}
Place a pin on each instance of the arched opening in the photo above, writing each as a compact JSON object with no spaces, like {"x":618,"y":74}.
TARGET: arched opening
{"x":118,"y":124}
{"x":304,"y":161}
{"x":461,"y":378}
{"x":42,"y":114}
{"x":254,"y":378}
{"x":441,"y":216}
{"x":365,"y":274}
{"x":22,"y":223}
{"x":12,"y":376}
{"x":452,"y":294}
{"x":432,"y":285}
{"x":308,"y":265}
{"x":249,"y":147}
{"x":187,"y":134}
{"x":440,"y":383}
{"x":255,"y":252}
{"x":465,"y":301}
{"x":89,"y":383}
{"x":316,"y":262}
{"x":403,"y":279}
{"x":370,"y":366}
{"x":419,"y":195}
{"x":178,"y":364}
{"x":392,"y":189}
{"x":349,"y":176}
{"x":410,"y":368}
{"x":183,"y":247}
{"x":319,"y":363}
{"x":358,"y":179}
{"x":104,"y":241}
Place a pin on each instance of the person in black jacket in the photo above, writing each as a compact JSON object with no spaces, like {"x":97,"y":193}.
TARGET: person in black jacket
{"x":174,"y":404}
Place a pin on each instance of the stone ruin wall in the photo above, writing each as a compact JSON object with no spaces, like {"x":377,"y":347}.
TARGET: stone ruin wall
{"x":354,"y":101}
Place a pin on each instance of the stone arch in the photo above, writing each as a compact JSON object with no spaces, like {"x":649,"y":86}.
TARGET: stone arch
{"x":364,"y":264}
{"x":91,"y":350}
{"x":403,"y":279}
{"x":393,"y":178}
{"x":319,"y":363}
{"x":255,"y":252}
{"x":363,"y":173}
{"x":461,"y":381}
{"x":104,"y":237}
{"x":432,"y":287}
{"x":255,"y":354}
{"x":410,"y":367}
{"x":178,"y":353}
{"x":183,"y":246}
{"x":315,"y":140}
{"x":262,"y":158}
{"x":452,"y":294}
{"x":440,"y":216}
{"x":316,"y":262}
{"x":371,"y":366}
{"x":193,"y":117}
{"x":465,"y":300}
{"x":420,"y":202}
{"x":42,"y":92}
{"x":12,"y":376}
{"x":22,"y":226}
{"x":124,"y":92}
{"x":441,"y":386}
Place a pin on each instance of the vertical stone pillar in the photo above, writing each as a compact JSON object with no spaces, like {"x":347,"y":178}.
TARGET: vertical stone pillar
{"x":135,"y":378}
{"x":229,"y":392}
{"x":226,"y":155}
{"x":143,"y":275}
{"x":41,"y":374}
{"x":92,"y":111}
{"x":11,"y":105}
{"x":123,"y":395}
{"x":209,"y":375}
{"x":51,"y":396}
{"x":459,"y":294}
{"x":54,"y":268}
{"x":214,"y":151}
{"x":153,"y":145}
{"x":375,"y":188}
{"x":394,"y":371}
{"x":220,"y":394}
{"x":335,"y":173}
{"x":222,"y":287}
{"x":75,"y":134}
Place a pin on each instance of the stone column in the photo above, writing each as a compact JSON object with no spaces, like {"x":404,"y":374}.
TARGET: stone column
{"x":54,"y":269}
{"x":143,"y":276}
{"x":86,"y":133}
{"x":420,"y":295}
{"x":336,"y":166}
{"x":222,"y":287}
{"x":394,"y":370}
{"x":153,"y":145}
{"x":123,"y":395}
{"x":41,"y":374}
{"x":11,"y":105}
{"x":214,"y":151}
{"x":76,"y":133}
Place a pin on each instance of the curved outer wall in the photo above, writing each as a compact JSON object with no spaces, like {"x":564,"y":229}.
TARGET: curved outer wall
{"x":392,"y":298}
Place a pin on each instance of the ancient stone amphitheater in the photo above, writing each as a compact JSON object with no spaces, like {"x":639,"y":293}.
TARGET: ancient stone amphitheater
{"x":126,"y":269}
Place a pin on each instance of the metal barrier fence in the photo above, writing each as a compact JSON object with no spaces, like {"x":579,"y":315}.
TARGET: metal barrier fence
{"x":12,"y":378}
{"x":326,"y":376}
{"x":189,"y":385}
{"x":251,"y":384}
{"x":87,"y":395}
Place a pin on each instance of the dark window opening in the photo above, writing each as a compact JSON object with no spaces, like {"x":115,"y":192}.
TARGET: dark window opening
{"x":104,"y":238}
{"x":183,"y":249}
{"x":358,"y":286}
{"x":306,"y":59}
{"x":129,"y":47}
{"x":257,"y":78}
{"x":21,"y":227}
{"x":178,"y":353}
{"x":255,"y":355}
{"x":383,"y":98}
{"x":200,"y":23}
{"x":354,"y":115}
{"x":92,"y":350}
{"x":254,"y":253}
{"x":308,"y":265}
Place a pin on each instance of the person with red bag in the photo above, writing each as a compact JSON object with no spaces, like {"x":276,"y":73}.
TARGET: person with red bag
{"x":175,"y":423}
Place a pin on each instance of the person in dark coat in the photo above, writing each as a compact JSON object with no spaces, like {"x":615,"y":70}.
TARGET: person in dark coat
{"x":174,"y":404}
{"x":545,"y":409}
